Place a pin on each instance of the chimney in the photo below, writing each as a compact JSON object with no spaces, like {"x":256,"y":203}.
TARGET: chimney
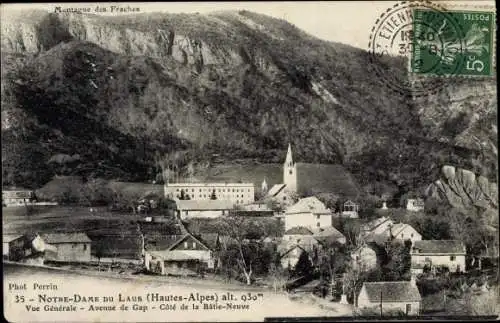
{"x":413,"y":279}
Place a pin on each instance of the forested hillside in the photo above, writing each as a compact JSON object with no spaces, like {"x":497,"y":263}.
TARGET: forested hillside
{"x":112,"y":96}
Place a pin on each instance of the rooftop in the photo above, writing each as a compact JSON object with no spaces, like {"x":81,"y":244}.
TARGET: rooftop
{"x":275,"y":189}
{"x":174,"y":255}
{"x":309,"y":204}
{"x":73,"y":237}
{"x":325,"y":178}
{"x":328,"y":233}
{"x":204,"y":204}
{"x":399,"y":291}
{"x":299,"y":230}
{"x":438,"y":247}
{"x":398,"y":227}
{"x":375,"y":223}
{"x":208,"y":184}
{"x":10,"y":237}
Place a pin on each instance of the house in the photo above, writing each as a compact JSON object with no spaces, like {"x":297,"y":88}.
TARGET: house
{"x":329,"y":235}
{"x":27,"y":248}
{"x":365,"y":256}
{"x":376,"y":226}
{"x":17,"y":197}
{"x":350,"y":209}
{"x":9,"y":242}
{"x":184,"y":255}
{"x":390,"y":296}
{"x":308,"y":212}
{"x":68,"y":247}
{"x":438,"y":253}
{"x":259,"y":206}
{"x":404,"y":232}
{"x":415,"y":204}
{"x":203,"y":209}
{"x":237,"y":193}
{"x":300,"y":236}
{"x":279,"y":194}
{"x":290,"y":257}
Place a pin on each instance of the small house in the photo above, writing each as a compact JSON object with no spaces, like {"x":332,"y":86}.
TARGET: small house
{"x":203,"y":208}
{"x":365,"y":257}
{"x":377,"y":226}
{"x":388,"y":297}
{"x":329,"y":235}
{"x":296,"y":233}
{"x":69,"y":247}
{"x":291,"y":256}
{"x":261,"y":206}
{"x":27,"y":248}
{"x":9,"y":241}
{"x":279,"y":194}
{"x":308,"y":212}
{"x":186,"y":255}
{"x":438,"y":253}
{"x":404,"y":232}
{"x":415,"y":205}
{"x":17,"y":197}
{"x":350,"y":209}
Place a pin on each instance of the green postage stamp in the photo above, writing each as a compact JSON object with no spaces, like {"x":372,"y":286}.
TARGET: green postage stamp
{"x":454,"y":42}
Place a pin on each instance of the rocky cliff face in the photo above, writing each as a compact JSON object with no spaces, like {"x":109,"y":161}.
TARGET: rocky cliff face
{"x":461,"y":188}
{"x":232,"y":83}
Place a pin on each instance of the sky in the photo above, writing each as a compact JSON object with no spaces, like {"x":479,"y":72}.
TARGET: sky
{"x":348,"y":22}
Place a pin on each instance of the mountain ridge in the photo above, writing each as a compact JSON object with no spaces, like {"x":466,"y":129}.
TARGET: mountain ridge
{"x":238,"y":84}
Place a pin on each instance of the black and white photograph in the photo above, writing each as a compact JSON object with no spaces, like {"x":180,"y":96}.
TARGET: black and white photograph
{"x":249,"y":161}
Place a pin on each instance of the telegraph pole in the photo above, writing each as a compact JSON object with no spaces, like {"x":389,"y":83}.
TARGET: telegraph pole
{"x":380,"y":303}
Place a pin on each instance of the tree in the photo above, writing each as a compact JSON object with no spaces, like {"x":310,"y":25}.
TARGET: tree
{"x":332,"y":260}
{"x":125,"y":200}
{"x":99,"y":253}
{"x":398,"y":263}
{"x":94,"y":191}
{"x":213,"y":196}
{"x":353,"y":281}
{"x":243,"y":253}
{"x":304,"y":266}
{"x":351,"y":230}
{"x":486,"y":303}
{"x":278,"y":276}
{"x":182,"y":196}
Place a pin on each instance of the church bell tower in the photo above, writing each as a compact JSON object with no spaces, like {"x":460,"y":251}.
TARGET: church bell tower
{"x":290,"y":172}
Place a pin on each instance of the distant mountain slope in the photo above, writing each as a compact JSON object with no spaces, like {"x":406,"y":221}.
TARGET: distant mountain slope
{"x":121,"y":91}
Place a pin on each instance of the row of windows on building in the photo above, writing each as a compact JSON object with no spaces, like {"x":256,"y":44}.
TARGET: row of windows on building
{"x":242,"y":202}
{"x":75,"y":245}
{"x":212,"y":189}
{"x":222,"y":196}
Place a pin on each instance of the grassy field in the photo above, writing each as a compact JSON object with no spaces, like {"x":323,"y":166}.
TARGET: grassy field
{"x":113,"y":234}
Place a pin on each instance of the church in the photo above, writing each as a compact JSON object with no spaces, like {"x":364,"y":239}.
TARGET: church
{"x":307,"y":179}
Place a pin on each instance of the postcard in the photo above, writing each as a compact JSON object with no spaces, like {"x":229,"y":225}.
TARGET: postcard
{"x":249,"y":161}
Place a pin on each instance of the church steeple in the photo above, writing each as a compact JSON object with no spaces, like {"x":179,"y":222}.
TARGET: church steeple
{"x":290,"y":171}
{"x":264,"y":186}
{"x":289,"y":158}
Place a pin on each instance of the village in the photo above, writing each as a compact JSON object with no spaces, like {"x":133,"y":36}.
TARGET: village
{"x":286,"y":237}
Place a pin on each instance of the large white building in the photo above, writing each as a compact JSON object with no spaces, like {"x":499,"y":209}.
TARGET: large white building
{"x":237,"y":193}
{"x":308,"y":212}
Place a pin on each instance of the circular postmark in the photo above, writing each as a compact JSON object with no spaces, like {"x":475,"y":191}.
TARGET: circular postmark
{"x":413,"y":44}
